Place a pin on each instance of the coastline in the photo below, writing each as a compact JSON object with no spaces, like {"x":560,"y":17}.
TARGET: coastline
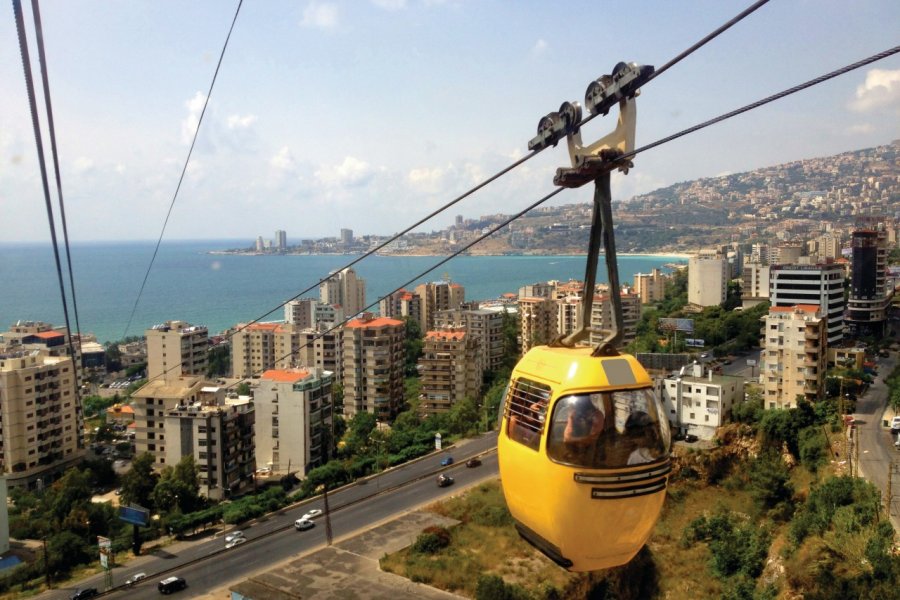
{"x":675,"y":255}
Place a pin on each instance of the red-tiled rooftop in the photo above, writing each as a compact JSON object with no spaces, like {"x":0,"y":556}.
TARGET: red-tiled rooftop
{"x":377,"y":322}
{"x":264,"y":327}
{"x":48,"y":335}
{"x":445,"y":335}
{"x":285,"y":376}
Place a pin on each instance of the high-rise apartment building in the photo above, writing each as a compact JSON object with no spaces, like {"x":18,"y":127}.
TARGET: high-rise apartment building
{"x":568,"y":315}
{"x":755,"y":284}
{"x":786,"y":254}
{"x":280,"y":240}
{"x":451,"y":369}
{"x":828,"y":245}
{"x":218,"y":433}
{"x":346,"y":290}
{"x":602,"y":317}
{"x":253,"y":349}
{"x":309,"y":313}
{"x":651,"y":287}
{"x":151,"y":403}
{"x":794,"y":355}
{"x":485,"y":325}
{"x":870,"y":294}
{"x":346,"y":236}
{"x":759,"y":253}
{"x":708,"y":274}
{"x":402,"y":304}
{"x":537,"y":290}
{"x":374,"y":361}
{"x":537,"y":319}
{"x":40,"y":418}
{"x":817,"y":285}
{"x":321,"y":350}
{"x":438,"y":296}
{"x":176,"y":349}
{"x":294,"y":412}
{"x":260,"y":244}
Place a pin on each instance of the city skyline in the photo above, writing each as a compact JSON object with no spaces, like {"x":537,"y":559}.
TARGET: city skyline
{"x":439,"y":101}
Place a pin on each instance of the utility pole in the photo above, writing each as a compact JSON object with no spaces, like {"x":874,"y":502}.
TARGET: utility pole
{"x":889,"y":498}
{"x":328,"y":533}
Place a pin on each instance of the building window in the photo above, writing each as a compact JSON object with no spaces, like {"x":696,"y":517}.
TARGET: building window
{"x":693,"y":416}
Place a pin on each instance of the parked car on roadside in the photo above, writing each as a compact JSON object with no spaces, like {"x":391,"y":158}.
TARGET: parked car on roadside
{"x":895,"y":425}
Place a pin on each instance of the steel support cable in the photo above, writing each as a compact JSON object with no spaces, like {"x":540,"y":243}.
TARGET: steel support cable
{"x":184,"y":168}
{"x":38,"y":139}
{"x":45,"y":80}
{"x":772,"y":98}
{"x":480,"y":238}
{"x":711,"y":36}
{"x":518,"y":215}
{"x":456,"y":200}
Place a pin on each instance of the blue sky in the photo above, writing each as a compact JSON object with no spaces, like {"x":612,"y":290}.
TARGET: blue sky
{"x":368,"y":115}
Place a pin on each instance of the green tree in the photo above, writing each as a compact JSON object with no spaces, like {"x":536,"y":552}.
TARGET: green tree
{"x":219,"y":364}
{"x":414,"y":343}
{"x":138,"y":483}
{"x":463,"y":416}
{"x":770,"y":484}
{"x":243,"y":389}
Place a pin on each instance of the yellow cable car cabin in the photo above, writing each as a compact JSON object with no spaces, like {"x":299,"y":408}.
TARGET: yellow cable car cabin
{"x":584,"y":455}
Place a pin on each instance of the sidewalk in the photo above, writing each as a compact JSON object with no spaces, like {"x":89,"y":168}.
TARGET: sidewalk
{"x":348,"y":569}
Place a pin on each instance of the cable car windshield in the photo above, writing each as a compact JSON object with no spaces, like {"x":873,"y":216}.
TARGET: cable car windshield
{"x":608,"y":429}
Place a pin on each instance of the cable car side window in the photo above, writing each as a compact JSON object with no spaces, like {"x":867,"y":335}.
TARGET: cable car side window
{"x":607,"y":429}
{"x":526,"y":411}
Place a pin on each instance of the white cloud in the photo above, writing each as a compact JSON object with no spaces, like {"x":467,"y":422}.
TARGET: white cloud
{"x":426,"y":181}
{"x":860,"y":128}
{"x":353,"y":172}
{"x":239,"y":122}
{"x":321,"y":15}
{"x":283,"y":160}
{"x":189,"y":124}
{"x":390,"y":4}
{"x":539,"y":48}
{"x":881,"y":89}
{"x":83,"y":165}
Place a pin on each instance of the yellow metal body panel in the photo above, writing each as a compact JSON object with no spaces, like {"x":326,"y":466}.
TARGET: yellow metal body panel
{"x":544,"y":496}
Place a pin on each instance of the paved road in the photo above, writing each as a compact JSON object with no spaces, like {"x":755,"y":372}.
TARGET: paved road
{"x":876,"y":449}
{"x":207,"y":565}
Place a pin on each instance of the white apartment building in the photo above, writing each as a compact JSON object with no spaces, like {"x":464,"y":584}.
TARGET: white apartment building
{"x":755,"y":284}
{"x":451,"y":369}
{"x":151,"y":403}
{"x":218,"y":433}
{"x":309,"y":313}
{"x":346,"y":290}
{"x":40,"y":418}
{"x":176,"y":349}
{"x":698,"y":405}
{"x":793,"y":359}
{"x":294,"y":410}
{"x":708,"y":274}
{"x":568,"y":316}
{"x":817,"y":285}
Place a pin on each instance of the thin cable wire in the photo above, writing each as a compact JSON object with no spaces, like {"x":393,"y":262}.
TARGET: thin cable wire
{"x":711,"y":36}
{"x":183,"y":169}
{"x":36,"y":125}
{"x":737,"y":18}
{"x":45,"y":80}
{"x":518,"y":215}
{"x":772,"y":98}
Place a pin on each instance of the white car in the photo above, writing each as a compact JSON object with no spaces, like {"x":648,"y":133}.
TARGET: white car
{"x":135,"y":578}
{"x":234,"y":535}
{"x":315,"y":512}
{"x":303,"y":524}
{"x":895,"y":424}
{"x":235,"y":542}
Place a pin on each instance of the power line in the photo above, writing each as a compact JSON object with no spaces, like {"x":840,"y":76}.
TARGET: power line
{"x":712,"y":35}
{"x":39,"y":35}
{"x":772,"y":98}
{"x":723,"y":117}
{"x":187,"y":160}
{"x":38,"y":139}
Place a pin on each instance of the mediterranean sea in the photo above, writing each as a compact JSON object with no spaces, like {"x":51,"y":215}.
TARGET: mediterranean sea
{"x":220,"y":290}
